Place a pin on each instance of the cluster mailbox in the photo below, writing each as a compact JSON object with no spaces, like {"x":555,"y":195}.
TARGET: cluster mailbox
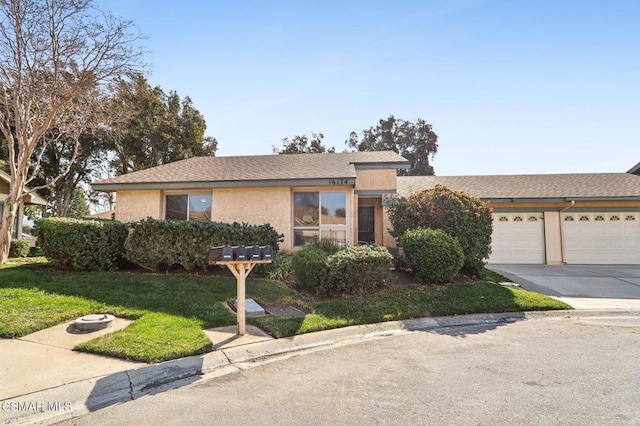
{"x":240,"y":253}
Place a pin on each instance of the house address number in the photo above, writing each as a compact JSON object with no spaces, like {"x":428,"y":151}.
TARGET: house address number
{"x":338,"y":181}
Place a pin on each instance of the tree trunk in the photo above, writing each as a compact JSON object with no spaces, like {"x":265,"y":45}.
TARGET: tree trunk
{"x":11,"y":205}
{"x":6,"y":231}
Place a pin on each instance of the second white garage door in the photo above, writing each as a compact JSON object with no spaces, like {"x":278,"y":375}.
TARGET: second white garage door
{"x":601,"y":238}
{"x":517,"y":238}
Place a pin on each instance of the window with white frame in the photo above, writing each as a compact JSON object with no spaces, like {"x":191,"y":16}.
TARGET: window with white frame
{"x":188,"y":206}
{"x":319,"y":215}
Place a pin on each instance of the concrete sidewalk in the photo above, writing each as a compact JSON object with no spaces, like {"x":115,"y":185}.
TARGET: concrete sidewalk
{"x":43,"y":381}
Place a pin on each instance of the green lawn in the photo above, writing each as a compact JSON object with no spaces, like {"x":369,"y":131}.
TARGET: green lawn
{"x":170,"y":310}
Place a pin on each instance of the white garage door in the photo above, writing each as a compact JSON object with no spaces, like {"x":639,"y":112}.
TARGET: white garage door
{"x":603,"y":238}
{"x":517,"y":238}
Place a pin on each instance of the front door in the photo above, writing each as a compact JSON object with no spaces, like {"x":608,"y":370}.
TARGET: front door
{"x":366,"y":224}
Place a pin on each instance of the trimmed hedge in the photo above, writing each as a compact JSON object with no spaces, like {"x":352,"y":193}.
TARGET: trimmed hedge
{"x":353,"y":270}
{"x":19,"y":248}
{"x":357,"y":269}
{"x":431,"y":253}
{"x":80,"y":244}
{"x":161,"y":244}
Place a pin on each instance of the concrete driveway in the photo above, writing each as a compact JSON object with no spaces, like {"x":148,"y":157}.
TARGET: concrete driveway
{"x":581,"y":286}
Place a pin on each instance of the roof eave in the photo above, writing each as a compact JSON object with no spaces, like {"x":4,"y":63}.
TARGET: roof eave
{"x":329,"y":181}
{"x":383,"y":165}
{"x":557,"y":199}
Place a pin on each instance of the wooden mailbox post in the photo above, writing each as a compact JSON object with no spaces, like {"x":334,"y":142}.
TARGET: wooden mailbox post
{"x":241,"y":270}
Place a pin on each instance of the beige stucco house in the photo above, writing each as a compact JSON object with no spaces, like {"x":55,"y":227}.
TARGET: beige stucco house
{"x":554,"y":219}
{"x":538,"y":219}
{"x":32,"y":198}
{"x":303,"y":196}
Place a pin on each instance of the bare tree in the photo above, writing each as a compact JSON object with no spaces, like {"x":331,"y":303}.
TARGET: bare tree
{"x":55,"y":56}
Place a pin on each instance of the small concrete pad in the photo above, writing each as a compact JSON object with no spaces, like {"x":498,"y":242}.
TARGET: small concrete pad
{"x":285,"y":311}
{"x":251,"y":308}
{"x":67,"y":336}
{"x":227,"y":337}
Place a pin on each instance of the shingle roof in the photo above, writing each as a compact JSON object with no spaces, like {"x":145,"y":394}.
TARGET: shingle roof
{"x":258,"y":168}
{"x":566,"y":186}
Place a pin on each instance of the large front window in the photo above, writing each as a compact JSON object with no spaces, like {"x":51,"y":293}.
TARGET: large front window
{"x":188,"y":207}
{"x":319,"y":215}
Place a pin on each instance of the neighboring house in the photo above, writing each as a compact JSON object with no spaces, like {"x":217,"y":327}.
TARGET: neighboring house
{"x":5,"y":179}
{"x":303,"y":196}
{"x":554,"y":219}
{"x":635,"y":170}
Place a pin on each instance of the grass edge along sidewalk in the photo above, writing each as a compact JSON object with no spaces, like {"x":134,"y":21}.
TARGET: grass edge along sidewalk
{"x":171,"y":310}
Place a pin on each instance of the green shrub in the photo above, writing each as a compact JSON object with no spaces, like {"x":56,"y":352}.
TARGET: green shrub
{"x":433,"y":254}
{"x":309,"y":266}
{"x":357,"y":269}
{"x":466,"y":218}
{"x":19,"y":248}
{"x":156,"y":244}
{"x":281,"y":268}
{"x":35,"y":252}
{"x":82,"y":245}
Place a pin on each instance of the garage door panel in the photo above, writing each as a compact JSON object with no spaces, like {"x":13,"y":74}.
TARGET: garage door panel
{"x":517,"y":238}
{"x":601,"y":238}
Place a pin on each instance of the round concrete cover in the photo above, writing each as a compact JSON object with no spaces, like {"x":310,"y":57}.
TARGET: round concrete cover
{"x":93,"y":322}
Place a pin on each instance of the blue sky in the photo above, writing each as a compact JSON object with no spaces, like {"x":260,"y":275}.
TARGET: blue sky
{"x":509,"y":86}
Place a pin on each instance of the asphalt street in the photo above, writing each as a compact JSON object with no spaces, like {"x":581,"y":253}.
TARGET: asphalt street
{"x":535,"y":372}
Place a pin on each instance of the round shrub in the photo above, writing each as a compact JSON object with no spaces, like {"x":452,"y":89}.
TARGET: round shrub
{"x":357,"y":269}
{"x":431,"y":253}
{"x":309,"y":266}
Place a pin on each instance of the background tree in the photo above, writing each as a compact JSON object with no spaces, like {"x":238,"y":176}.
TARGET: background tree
{"x":79,"y":207}
{"x":57,"y":161}
{"x":54,"y":57}
{"x":149,"y":128}
{"x":417,"y":142}
{"x":303,"y":145}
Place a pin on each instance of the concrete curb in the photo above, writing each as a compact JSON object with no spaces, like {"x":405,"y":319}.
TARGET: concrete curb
{"x":70,"y":400}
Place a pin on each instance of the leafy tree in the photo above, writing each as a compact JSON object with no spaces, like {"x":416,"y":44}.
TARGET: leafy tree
{"x":55,"y":58}
{"x":462,"y":216}
{"x":149,"y":128}
{"x":303,"y":145}
{"x":417,"y":142}
{"x":57,"y":161}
